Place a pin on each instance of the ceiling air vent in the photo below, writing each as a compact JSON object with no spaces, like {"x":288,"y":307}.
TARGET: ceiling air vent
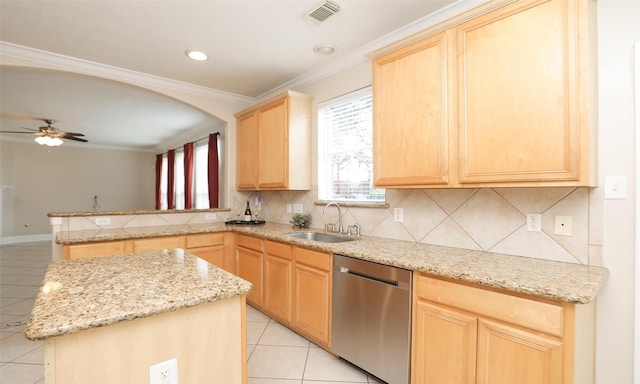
{"x":322,"y":11}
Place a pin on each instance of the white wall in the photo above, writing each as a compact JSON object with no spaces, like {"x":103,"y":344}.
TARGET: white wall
{"x":65,"y":179}
{"x":618,"y":31}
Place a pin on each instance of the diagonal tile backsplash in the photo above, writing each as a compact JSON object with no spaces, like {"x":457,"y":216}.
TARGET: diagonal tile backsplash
{"x":489,"y":219}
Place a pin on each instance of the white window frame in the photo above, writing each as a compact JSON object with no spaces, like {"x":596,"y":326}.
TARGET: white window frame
{"x":327,"y":147}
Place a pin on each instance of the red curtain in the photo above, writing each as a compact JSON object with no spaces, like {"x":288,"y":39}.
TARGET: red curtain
{"x":171,"y":160}
{"x":213,"y":170}
{"x":158,"y":181}
{"x":188,"y":176}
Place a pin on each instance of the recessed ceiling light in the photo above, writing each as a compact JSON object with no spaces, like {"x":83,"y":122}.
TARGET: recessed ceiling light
{"x":324,"y":49}
{"x":196,"y":55}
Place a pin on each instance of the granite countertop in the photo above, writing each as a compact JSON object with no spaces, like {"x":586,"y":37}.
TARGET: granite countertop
{"x":138,"y":212}
{"x":88,"y":293}
{"x":569,"y":282}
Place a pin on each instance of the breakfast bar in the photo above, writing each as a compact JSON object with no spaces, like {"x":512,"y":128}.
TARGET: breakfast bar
{"x":109,"y":319}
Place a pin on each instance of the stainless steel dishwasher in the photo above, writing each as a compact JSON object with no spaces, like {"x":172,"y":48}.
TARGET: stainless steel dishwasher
{"x":371,"y":320}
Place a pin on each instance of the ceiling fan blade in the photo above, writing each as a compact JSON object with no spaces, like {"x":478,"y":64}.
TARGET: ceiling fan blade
{"x":31,"y":129}
{"x":30,"y":133}
{"x":72,"y":134}
{"x":75,"y":139}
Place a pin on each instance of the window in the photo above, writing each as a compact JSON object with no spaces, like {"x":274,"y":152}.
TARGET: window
{"x":345,"y":149}
{"x":201,"y":156}
{"x":163,"y":183}
{"x":200,"y":184}
{"x":178,"y":175}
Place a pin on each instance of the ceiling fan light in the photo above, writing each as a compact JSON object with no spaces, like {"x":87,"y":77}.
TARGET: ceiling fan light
{"x":48,"y":141}
{"x":196,"y":55}
{"x":56,"y":141}
{"x":42,"y":140}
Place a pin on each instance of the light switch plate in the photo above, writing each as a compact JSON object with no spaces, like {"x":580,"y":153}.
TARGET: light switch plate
{"x":615,"y":187}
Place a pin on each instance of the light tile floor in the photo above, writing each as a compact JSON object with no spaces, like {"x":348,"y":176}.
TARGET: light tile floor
{"x":276,"y":354}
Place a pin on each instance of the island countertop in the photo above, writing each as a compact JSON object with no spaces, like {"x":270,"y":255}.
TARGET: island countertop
{"x":569,"y":282}
{"x":82,"y":294}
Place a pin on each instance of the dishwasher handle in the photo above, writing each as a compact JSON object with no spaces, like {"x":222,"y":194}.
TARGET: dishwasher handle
{"x":368,"y":277}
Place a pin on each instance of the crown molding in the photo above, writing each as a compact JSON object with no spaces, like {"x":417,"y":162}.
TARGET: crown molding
{"x":348,"y":60}
{"x":56,"y":61}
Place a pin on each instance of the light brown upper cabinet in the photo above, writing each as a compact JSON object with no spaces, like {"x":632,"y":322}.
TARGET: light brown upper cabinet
{"x":273,"y":148}
{"x":505,"y":90}
{"x":411,"y":124}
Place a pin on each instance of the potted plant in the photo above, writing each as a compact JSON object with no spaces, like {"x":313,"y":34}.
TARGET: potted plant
{"x":300,"y":220}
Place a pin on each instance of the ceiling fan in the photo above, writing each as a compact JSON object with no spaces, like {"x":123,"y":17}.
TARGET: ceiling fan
{"x":51,"y":136}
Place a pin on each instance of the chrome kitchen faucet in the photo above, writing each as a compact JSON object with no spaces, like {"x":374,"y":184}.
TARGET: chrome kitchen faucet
{"x":332,"y":227}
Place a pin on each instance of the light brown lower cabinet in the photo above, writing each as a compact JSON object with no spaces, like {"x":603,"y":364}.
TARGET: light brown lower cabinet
{"x":249,"y":259}
{"x":312,"y":294}
{"x":208,"y":246}
{"x":465,"y":334}
{"x":278,"y":276}
{"x":290,"y":283}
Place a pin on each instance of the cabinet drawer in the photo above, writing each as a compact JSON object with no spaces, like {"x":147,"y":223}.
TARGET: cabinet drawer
{"x":82,"y":251}
{"x":533,"y":314}
{"x":315,"y":259}
{"x":278,"y":249}
{"x":157,"y":243}
{"x":205,"y":239}
{"x":249,"y":242}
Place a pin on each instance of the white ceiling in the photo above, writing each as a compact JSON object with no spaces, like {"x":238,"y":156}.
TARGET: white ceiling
{"x":254,"y":48}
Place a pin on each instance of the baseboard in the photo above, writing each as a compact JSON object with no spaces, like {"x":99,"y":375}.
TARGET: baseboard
{"x":25,"y":239}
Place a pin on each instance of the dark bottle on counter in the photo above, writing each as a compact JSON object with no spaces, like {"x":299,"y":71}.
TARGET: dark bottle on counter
{"x":247,"y":213}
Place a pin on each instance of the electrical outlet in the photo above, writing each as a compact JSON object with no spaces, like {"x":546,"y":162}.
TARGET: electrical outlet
{"x":210,"y":216}
{"x":562,"y":225}
{"x":398,"y":215}
{"x":103,"y":221}
{"x":297,"y":208}
{"x":288,"y":208}
{"x":534,"y":222}
{"x":165,"y":372}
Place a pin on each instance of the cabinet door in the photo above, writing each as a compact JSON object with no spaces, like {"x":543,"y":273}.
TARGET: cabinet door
{"x":247,"y":151}
{"x":444,"y":346}
{"x":508,"y":355}
{"x":214,"y":254}
{"x":411,"y":115}
{"x":278,"y":272}
{"x":277,"y":287}
{"x":520,"y":77}
{"x":312,"y":294}
{"x":273,"y":143}
{"x":249,"y":264}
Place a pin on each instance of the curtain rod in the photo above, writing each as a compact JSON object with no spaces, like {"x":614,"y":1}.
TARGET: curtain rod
{"x":195,"y":141}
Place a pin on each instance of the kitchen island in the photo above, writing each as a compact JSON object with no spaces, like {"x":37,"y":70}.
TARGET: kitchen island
{"x":109,"y":319}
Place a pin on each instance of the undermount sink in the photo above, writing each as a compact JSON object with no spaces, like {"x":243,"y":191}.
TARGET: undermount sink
{"x":320,"y":237}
